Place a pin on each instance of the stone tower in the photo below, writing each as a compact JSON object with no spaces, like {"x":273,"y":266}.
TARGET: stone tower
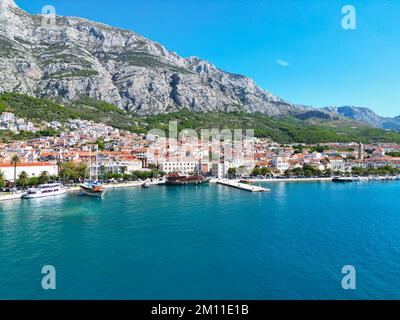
{"x":361,"y":151}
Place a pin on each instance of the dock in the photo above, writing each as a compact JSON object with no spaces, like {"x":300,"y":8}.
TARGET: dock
{"x":10,"y":196}
{"x":242,"y":186}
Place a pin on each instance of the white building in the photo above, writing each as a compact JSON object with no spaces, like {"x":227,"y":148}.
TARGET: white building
{"x":280,"y":163}
{"x":116,"y":166}
{"x":243,"y":167}
{"x":183,"y":166}
{"x":32,"y":169}
{"x":337,"y":164}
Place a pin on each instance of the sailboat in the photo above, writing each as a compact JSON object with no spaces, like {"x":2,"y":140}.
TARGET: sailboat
{"x":93,"y":188}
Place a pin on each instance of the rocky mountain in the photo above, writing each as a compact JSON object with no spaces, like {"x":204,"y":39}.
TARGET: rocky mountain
{"x":77,"y":57}
{"x":367,"y":116}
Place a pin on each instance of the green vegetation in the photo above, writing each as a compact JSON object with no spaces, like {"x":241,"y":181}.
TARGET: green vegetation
{"x":308,"y":171}
{"x":383,"y":171}
{"x":261,"y":172}
{"x":75,"y":73}
{"x":132,"y":176}
{"x":8,"y":49}
{"x":142,"y":59}
{"x":23,"y":180}
{"x":44,"y":177}
{"x":36,"y":110}
{"x":2,"y":180}
{"x":72,"y":172}
{"x":99,"y":105}
{"x":395,"y":154}
{"x":40,"y":110}
{"x":318,"y":148}
{"x":7,"y":135}
{"x":15,"y":160}
{"x":100,"y":143}
{"x":283,"y":130}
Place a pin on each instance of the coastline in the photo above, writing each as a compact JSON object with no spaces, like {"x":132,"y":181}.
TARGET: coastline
{"x":138,"y":184}
{"x":74,"y":189}
{"x":12,"y":196}
{"x":120,"y":185}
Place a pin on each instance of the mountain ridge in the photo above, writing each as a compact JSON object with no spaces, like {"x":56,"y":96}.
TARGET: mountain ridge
{"x":367,"y":116}
{"x":81,"y":57}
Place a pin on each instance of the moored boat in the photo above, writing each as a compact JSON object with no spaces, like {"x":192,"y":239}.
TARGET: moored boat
{"x":45,"y":190}
{"x":246,"y":181}
{"x":93,"y":189}
{"x":175,"y":179}
{"x":343,"y":179}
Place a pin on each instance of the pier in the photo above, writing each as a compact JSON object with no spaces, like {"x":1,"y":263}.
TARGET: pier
{"x":11,"y":196}
{"x":242,"y":186}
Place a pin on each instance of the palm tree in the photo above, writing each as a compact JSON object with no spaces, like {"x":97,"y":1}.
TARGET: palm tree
{"x":14,"y":161}
{"x":2,"y":180}
{"x":23,"y":179}
{"x":124,"y":169}
{"x":44,"y":177}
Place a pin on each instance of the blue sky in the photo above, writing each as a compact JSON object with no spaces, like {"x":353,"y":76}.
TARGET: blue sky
{"x":296,"y":49}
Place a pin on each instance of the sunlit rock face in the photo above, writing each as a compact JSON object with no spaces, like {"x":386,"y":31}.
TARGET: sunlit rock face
{"x":72,"y":57}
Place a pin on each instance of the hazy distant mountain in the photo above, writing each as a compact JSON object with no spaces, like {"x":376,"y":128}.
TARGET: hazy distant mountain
{"x":80,"y":57}
{"x":367,"y":116}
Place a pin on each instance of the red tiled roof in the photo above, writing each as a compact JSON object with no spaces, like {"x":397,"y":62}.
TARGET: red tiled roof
{"x":28,"y":164}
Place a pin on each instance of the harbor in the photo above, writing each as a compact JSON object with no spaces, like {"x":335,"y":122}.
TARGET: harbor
{"x":209,"y":231}
{"x":248,"y":186}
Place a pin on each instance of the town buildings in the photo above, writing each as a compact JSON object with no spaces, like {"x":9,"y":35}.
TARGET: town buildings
{"x":33,"y":169}
{"x":125,"y":152}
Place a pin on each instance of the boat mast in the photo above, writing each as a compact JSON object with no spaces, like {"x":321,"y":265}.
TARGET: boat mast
{"x":90,"y":163}
{"x":96,"y":158}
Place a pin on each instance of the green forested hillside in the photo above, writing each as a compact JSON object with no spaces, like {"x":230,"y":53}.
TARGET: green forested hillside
{"x":284,"y":130}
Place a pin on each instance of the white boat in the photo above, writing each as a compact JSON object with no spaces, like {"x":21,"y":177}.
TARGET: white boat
{"x":45,"y":190}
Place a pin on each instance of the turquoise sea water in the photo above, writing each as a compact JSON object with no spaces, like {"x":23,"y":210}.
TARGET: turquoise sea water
{"x":205,"y":242}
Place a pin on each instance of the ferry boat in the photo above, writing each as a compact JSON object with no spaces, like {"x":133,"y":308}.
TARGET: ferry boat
{"x":93,"y":189}
{"x":175,"y":179}
{"x":45,"y":190}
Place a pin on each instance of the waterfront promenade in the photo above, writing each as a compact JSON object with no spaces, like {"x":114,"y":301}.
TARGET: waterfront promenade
{"x":119,"y":185}
{"x":10,"y":196}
